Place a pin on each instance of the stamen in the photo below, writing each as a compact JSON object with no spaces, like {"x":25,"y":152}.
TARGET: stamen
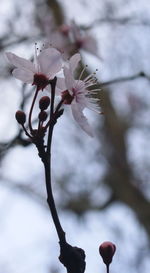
{"x":89,"y":76}
{"x":35,"y":58}
{"x":81,"y":74}
{"x":94,"y":90}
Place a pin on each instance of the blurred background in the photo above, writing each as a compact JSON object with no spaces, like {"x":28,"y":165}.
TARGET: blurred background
{"x":101,"y":184}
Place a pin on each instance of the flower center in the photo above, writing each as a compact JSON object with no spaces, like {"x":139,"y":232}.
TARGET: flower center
{"x":66,"y":97}
{"x":41,"y":81}
{"x":79,"y":43}
{"x":64,"y":29}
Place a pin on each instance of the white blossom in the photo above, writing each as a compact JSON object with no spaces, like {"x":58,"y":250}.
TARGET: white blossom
{"x":84,"y":40}
{"x":39,"y":72}
{"x":76,"y":93}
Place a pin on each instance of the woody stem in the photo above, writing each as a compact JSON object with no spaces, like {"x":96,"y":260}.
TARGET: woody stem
{"x":31,"y":110}
{"x":47,"y":165}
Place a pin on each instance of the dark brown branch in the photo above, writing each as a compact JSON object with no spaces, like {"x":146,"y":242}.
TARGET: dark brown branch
{"x":126,"y":21}
{"x":83,"y":204}
{"x":57,"y":11}
{"x":17,"y":140}
{"x":120,"y":176}
{"x":125,"y":79}
{"x":51,"y":203}
{"x":25,"y":189}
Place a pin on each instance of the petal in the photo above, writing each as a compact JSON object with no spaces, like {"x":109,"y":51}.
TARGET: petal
{"x":60,"y":83}
{"x":50,"y":62}
{"x":25,"y":76}
{"x":60,"y":86}
{"x":81,"y":119}
{"x":20,"y":62}
{"x":73,"y":62}
{"x":80,"y":86}
{"x":90,"y":45}
{"x":69,"y":80}
{"x":75,"y":30}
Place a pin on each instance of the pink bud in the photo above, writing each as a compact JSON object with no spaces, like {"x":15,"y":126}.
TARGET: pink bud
{"x":42,"y":116}
{"x":20,"y":117}
{"x":44,"y":103}
{"x":107,"y":251}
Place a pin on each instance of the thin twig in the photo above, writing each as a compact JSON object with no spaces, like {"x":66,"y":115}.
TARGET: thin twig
{"x":30,"y":114}
{"x":47,"y":166}
{"x":53,"y":84}
{"x":51,"y":203}
{"x":125,"y":79}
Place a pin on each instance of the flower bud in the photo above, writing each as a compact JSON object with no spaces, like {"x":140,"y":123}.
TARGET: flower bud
{"x":44,"y":103}
{"x":42,"y":116}
{"x":107,"y":251}
{"x":20,"y":117}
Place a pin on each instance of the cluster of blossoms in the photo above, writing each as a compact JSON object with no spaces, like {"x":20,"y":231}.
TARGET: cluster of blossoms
{"x":46,"y":66}
{"x":69,"y":37}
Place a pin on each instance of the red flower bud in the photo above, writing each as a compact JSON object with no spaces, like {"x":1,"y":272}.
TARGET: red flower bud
{"x":42,"y":116}
{"x":20,"y":117}
{"x":107,"y":251}
{"x":44,"y":103}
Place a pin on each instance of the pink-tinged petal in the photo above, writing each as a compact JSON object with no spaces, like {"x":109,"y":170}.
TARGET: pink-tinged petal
{"x":20,"y":62}
{"x":81,"y":119}
{"x":90,"y":45}
{"x":60,"y":86}
{"x":60,"y":83}
{"x":80,"y":86}
{"x":69,"y":80}
{"x":23,"y":75}
{"x":75,"y":31}
{"x":50,"y":62}
{"x":73,"y":62}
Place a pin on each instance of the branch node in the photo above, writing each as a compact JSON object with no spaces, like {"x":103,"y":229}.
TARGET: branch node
{"x":72,"y":257}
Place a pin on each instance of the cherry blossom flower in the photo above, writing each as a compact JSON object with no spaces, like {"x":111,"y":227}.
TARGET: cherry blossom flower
{"x":61,"y":42}
{"x":84,"y":40}
{"x":57,"y":37}
{"x":76,"y":93}
{"x":44,"y":68}
{"x":68,"y":37}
